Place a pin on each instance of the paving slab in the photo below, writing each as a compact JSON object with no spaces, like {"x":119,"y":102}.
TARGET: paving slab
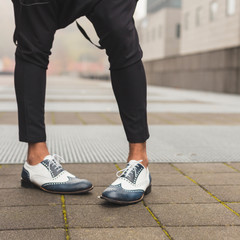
{"x":194,"y":214}
{"x":113,"y":118}
{"x":178,"y":194}
{"x":216,"y":178}
{"x":205,"y":233}
{"x":203,"y":168}
{"x":10,"y":181}
{"x":91,"y":168}
{"x":154,"y":118}
{"x":92,"y":118}
{"x":66,"y":118}
{"x":36,"y":234}
{"x":10,"y":169}
{"x":9,"y":117}
{"x":108,"y":215}
{"x":87,"y":198}
{"x":25,"y":197}
{"x":236,"y":165}
{"x":235,"y":206}
{"x":28,"y":217}
{"x":226,"y":193}
{"x":170,"y":180}
{"x":153,"y":233}
{"x":99,"y":179}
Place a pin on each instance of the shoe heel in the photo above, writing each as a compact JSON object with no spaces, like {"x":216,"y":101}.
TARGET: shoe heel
{"x":148,"y":190}
{"x":27,"y":184}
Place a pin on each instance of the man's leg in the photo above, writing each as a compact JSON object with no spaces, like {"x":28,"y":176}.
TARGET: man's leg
{"x":129,"y":85}
{"x":36,"y":23}
{"x":115,"y":27}
{"x":114,"y":24}
{"x":33,"y":49}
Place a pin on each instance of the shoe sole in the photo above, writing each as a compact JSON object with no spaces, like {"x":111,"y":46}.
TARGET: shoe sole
{"x":119,"y":202}
{"x":26,"y":184}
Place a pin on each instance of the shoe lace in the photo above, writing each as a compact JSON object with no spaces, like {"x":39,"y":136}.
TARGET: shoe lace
{"x":56,"y":162}
{"x":129,"y":169}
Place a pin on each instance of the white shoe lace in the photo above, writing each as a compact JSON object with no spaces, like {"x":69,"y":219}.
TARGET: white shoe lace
{"x":56,"y":162}
{"x":132,"y":166}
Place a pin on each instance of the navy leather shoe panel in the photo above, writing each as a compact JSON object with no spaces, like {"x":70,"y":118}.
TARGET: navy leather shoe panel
{"x":120,"y":194}
{"x":74,"y":184}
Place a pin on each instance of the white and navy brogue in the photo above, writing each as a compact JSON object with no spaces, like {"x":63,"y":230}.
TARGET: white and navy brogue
{"x":50,"y":176}
{"x":132,"y":184}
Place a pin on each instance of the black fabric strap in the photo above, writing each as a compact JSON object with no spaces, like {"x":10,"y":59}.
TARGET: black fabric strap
{"x":86,"y":36}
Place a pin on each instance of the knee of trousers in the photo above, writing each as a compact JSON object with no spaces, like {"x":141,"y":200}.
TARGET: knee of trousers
{"x":115,"y":27}
{"x":122,"y":46}
{"x":34,"y":47}
{"x":35,"y":56}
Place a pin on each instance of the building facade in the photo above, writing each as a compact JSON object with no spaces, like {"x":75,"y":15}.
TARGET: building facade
{"x":209,"y":25}
{"x":155,"y":5}
{"x":205,"y":56}
{"x":159,"y":31}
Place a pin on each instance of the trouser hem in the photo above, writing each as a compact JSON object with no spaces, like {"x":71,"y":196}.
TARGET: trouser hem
{"x":138,"y":140}
{"x":32,"y":140}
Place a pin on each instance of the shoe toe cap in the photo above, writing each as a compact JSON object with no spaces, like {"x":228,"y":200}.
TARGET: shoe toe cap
{"x":71,"y":186}
{"x":120,"y":194}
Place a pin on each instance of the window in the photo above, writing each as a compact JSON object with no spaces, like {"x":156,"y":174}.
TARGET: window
{"x":231,"y":7}
{"x":198,"y":16}
{"x":186,"y":21}
{"x":148,"y":37}
{"x":178,"y":30}
{"x":153,"y":34}
{"x":160,"y":31}
{"x":213,"y":10}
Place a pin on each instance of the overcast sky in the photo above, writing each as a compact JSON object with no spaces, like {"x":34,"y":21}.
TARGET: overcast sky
{"x":141,"y":8}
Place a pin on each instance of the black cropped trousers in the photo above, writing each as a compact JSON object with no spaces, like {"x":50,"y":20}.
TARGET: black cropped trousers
{"x":36,"y":23}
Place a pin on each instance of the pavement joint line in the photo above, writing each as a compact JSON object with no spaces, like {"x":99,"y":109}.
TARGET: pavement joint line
{"x":64,"y":211}
{"x":117,"y":166}
{"x":228,"y":165}
{"x":27,"y":229}
{"x":94,"y":204}
{"x":30,"y":205}
{"x":119,"y":227}
{"x":53,"y":119}
{"x":81,"y":119}
{"x":107,"y":118}
{"x":198,"y":184}
{"x":152,"y":214}
{"x":192,"y":226}
{"x":157,"y":221}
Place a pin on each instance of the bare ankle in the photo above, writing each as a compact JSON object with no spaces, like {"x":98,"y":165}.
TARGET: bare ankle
{"x":36,"y":152}
{"x":137,"y":151}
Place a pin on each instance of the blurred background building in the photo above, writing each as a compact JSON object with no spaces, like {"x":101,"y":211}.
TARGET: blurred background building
{"x":159,"y":31}
{"x":192,"y":44}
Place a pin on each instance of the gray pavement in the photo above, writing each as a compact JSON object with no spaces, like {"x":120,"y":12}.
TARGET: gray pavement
{"x":180,"y":206}
{"x":194,"y":154}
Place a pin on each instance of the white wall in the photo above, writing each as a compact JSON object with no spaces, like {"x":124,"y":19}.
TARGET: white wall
{"x":224,"y":32}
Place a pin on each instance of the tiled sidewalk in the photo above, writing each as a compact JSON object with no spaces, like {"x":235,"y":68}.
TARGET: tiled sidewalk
{"x":197,"y":201}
